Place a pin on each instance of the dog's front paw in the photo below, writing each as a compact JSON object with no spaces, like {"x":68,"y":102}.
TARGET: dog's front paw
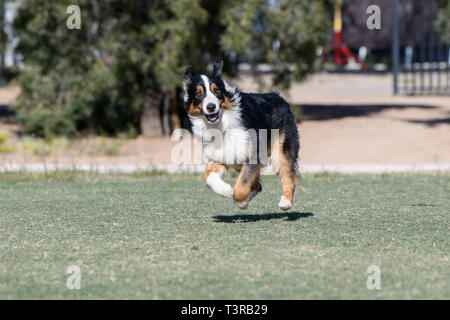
{"x":217,"y":185}
{"x":284,"y":204}
{"x":223,"y":189}
{"x":226,"y":191}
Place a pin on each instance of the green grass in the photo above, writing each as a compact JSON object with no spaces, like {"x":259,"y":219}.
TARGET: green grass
{"x":163,"y":236}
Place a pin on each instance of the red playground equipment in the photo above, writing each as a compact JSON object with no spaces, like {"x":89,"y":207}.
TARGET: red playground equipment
{"x":342,"y":54}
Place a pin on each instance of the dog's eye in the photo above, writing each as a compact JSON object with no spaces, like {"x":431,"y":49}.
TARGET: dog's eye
{"x":216,"y":90}
{"x":198,"y":94}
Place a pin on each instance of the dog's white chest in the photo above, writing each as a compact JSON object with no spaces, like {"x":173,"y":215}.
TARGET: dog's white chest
{"x":227,"y":142}
{"x":227,"y":147}
{"x":232,"y":148}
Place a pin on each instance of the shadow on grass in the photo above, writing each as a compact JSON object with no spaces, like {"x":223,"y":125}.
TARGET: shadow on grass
{"x":291,"y":216}
{"x":422,"y":205}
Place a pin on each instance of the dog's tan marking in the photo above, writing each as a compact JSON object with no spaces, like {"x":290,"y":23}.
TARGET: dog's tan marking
{"x":224,"y":102}
{"x":214,"y":88}
{"x":201,"y":89}
{"x":196,"y":110}
{"x":287,"y":174}
{"x":248,"y":179}
{"x":214,"y":167}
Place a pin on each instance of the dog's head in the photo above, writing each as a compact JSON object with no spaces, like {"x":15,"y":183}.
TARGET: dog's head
{"x":207,"y":96}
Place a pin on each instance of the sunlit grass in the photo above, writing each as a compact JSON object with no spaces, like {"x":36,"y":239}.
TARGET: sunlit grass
{"x":155,"y":235}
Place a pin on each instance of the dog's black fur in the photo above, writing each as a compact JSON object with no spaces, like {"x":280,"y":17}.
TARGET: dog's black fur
{"x":270,"y":111}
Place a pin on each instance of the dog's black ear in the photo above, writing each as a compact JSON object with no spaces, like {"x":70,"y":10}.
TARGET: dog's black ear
{"x":187,"y":74}
{"x":217,"y":68}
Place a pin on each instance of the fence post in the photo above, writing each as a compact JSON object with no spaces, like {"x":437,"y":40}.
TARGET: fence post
{"x":395,"y":46}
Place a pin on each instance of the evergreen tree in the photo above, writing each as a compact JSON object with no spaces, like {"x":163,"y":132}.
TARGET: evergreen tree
{"x":2,"y":35}
{"x":122,"y":70}
{"x":443,"y":20}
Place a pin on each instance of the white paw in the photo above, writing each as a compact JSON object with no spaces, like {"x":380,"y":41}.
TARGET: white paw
{"x":217,"y":185}
{"x":284,"y":203}
{"x":226,"y":191}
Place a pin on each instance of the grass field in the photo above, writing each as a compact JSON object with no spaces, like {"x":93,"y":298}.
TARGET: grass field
{"x":161,"y":236}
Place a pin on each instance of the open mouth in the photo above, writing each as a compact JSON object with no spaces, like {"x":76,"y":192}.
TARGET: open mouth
{"x":212,"y":117}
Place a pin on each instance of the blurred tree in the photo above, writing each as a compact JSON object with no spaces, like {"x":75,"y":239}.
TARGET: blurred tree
{"x":122,"y":70}
{"x":2,"y":35}
{"x":284,"y":34}
{"x":443,"y":20}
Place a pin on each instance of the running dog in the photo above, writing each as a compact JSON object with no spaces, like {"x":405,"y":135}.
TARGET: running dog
{"x":227,"y":121}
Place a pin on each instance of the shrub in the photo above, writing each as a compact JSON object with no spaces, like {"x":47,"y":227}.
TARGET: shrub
{"x":129,"y":55}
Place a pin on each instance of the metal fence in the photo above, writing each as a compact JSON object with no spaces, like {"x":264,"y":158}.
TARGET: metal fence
{"x":419,"y":67}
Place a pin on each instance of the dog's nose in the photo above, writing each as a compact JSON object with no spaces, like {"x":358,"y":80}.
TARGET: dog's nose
{"x":211,"y":107}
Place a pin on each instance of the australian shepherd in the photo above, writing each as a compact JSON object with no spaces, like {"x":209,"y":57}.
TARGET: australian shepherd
{"x":233,"y":126}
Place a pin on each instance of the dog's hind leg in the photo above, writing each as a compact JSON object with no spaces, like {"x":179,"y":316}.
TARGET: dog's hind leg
{"x":287,"y":172}
{"x":247,"y":185}
{"x":214,"y":179}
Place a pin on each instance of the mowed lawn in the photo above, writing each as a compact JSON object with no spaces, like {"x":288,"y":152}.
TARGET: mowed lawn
{"x":169,"y":237}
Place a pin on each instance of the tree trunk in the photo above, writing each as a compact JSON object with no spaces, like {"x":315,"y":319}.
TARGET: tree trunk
{"x":165,"y":115}
{"x":174,"y":116}
{"x":151,"y":124}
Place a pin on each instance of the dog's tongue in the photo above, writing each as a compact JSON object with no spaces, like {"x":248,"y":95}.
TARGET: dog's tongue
{"x":213,"y":117}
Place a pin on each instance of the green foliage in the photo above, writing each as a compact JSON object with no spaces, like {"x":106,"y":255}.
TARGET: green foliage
{"x":4,"y":145}
{"x":99,"y":78}
{"x":2,"y":28}
{"x":443,"y":21}
{"x":284,"y":33}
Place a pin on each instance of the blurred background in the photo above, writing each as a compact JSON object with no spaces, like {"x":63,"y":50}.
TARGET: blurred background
{"x":111,"y":91}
